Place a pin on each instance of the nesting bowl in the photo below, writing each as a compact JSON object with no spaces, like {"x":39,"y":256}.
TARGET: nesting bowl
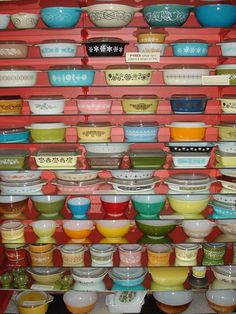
{"x":222,"y":301}
{"x":80,"y":302}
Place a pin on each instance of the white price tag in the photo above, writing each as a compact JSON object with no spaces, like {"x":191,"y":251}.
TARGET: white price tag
{"x":42,"y":287}
{"x":142,"y":57}
{"x":216,"y":80}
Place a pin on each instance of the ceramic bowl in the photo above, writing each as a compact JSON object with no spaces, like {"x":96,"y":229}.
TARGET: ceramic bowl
{"x":5,"y":19}
{"x":88,"y":275}
{"x":110,"y":14}
{"x":46,"y":275}
{"x":197,"y":229}
{"x":222,"y":301}
{"x":77,"y":229}
{"x":115,"y":205}
{"x":61,"y":17}
{"x":113,"y":228}
{"x":29,"y":302}
{"x":44,"y":229}
{"x":49,"y":205}
{"x":80,"y":302}
{"x":187,"y":131}
{"x":127,"y":276}
{"x":156,"y":228}
{"x":13,"y":206}
{"x":173,"y":302}
{"x":169,"y":277}
{"x":22,"y":20}
{"x":148,"y":206}
{"x":79,"y":206}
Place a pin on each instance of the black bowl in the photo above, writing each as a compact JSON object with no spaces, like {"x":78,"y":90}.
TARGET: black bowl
{"x":105,"y":47}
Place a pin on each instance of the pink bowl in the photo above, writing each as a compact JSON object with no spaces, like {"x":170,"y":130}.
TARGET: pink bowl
{"x":96,"y":104}
{"x":70,"y":187}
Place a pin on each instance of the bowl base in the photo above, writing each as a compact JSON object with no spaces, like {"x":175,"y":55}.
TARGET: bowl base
{"x":80,"y":217}
{"x":92,"y":286}
{"x":116,"y":287}
{"x":179,"y":262}
{"x":141,"y":217}
{"x":156,"y":287}
{"x":195,"y":240}
{"x":46,"y":240}
{"x":13,"y":216}
{"x":113,"y":241}
{"x":206,"y":261}
{"x":79,"y":241}
{"x":55,"y":216}
{"x":155,"y":240}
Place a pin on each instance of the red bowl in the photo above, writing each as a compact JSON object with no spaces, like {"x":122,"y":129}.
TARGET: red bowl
{"x":15,"y":254}
{"x":115,"y":205}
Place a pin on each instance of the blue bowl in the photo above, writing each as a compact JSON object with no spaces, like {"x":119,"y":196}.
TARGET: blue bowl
{"x":79,"y":206}
{"x":190,"y":49}
{"x":140,"y":132}
{"x":166,"y":15}
{"x":188,"y":103}
{"x":14,"y":136}
{"x":216,"y":15}
{"x":71,"y":76}
{"x":61,"y":17}
{"x":222,"y":210}
{"x":130,"y":280}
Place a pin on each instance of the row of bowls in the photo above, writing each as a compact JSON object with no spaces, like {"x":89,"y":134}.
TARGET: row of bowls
{"x":157,"y":15}
{"x":114,"y":231}
{"x":111,"y":47}
{"x":115,"y":75}
{"x":102,"y":104}
{"x":101,"y":132}
{"x":73,"y":255}
{"x":168,"y":302}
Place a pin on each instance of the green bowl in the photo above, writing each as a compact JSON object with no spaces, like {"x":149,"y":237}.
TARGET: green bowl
{"x":228,"y":69}
{"x":156,"y":228}
{"x":214,"y":251}
{"x":147,"y":158}
{"x":148,"y":206}
{"x":49,"y":205}
{"x":13,"y":159}
{"x":48,"y":135}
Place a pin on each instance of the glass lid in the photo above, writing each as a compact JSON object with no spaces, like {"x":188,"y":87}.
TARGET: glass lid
{"x":89,"y":272}
{"x":227,"y":96}
{"x":226,"y":178}
{"x":42,"y":97}
{"x":13,"y":130}
{"x":76,"y":183}
{"x":127,"y":273}
{"x":189,"y":179}
{"x":102,"y":248}
{"x":94,"y":124}
{"x":70,"y":67}
{"x":60,"y":150}
{"x":185,"y":66}
{"x":229,"y":271}
{"x":228,"y":124}
{"x":179,"y":41}
{"x":104,"y":40}
{"x":140,"y":182}
{"x":45,"y":270}
{"x":72,"y":248}
{"x":58,"y":41}
{"x":130,"y":247}
{"x":14,"y":152}
{"x":140,"y":97}
{"x":141,"y":124}
{"x":10,"y":97}
{"x":16,"y":68}
{"x":22,"y":184}
{"x":12,"y":42}
{"x":192,"y":96}
{"x":147,"y":152}
{"x":128,"y":67}
{"x":86,"y":97}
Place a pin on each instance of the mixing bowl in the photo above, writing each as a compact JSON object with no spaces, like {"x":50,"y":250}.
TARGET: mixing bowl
{"x":49,"y":205}
{"x":222,"y":301}
{"x":24,"y":20}
{"x":13,"y":206}
{"x":148,"y":206}
{"x":113,"y":229}
{"x":127,"y":276}
{"x":197,"y":230}
{"x":80,"y":302}
{"x":29,"y":302}
{"x":61,"y":17}
{"x":44,"y":229}
{"x":46,"y":275}
{"x":115,"y":205}
{"x":79,"y":206}
{"x":78,"y":230}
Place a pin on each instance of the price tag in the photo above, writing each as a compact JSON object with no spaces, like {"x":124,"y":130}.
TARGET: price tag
{"x":42,"y":287}
{"x":142,"y":57}
{"x":216,"y":80}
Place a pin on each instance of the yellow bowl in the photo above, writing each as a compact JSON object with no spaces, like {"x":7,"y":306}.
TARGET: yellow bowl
{"x":226,"y":160}
{"x":11,"y":105}
{"x":36,"y":297}
{"x":139,"y":104}
{"x":94,"y":132}
{"x":113,"y":228}
{"x":151,"y":37}
{"x":169,"y":276}
{"x":46,"y":275}
{"x":227,"y":133}
{"x":44,"y":228}
{"x":186,"y":206}
{"x":178,"y":133}
{"x":12,"y":230}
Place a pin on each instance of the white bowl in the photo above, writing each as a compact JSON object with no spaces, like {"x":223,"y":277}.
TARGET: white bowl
{"x":185,"y":76}
{"x":132,"y":174}
{"x":151,"y":47}
{"x":174,"y":298}
{"x":80,"y":300}
{"x":228,"y":147}
{"x":89,"y":274}
{"x":46,"y":105}
{"x":227,"y":226}
{"x":222,"y":301}
{"x":198,"y":229}
{"x":13,"y":176}
{"x":23,"y":20}
{"x":107,"y":148}
{"x":228,"y":49}
{"x":12,"y":199}
{"x":58,"y":48}
{"x":18,"y":77}
{"x":110,"y":14}
{"x":4,"y":20}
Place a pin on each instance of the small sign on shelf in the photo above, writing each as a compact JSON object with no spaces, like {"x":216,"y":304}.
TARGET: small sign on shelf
{"x":142,"y":57}
{"x":216,"y":80}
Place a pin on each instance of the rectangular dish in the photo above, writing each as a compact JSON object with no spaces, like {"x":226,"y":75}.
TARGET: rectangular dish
{"x":147,"y":158}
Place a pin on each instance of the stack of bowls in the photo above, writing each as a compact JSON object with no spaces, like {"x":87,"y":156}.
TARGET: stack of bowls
{"x":151,"y":41}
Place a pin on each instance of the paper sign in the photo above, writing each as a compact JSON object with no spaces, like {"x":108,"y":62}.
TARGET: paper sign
{"x":142,"y":57}
{"x":216,"y":80}
{"x":42,"y":287}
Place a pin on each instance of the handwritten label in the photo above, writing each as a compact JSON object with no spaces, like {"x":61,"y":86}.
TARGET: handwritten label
{"x":42,"y":287}
{"x":216,"y":80}
{"x":142,"y":57}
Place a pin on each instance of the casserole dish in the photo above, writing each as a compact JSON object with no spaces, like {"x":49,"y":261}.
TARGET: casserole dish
{"x":61,"y":17}
{"x":71,"y":75}
{"x":13,"y":159}
{"x":184,"y":147}
{"x":110,"y":14}
{"x":134,"y":186}
{"x":12,"y":206}
{"x":216,"y":15}
{"x":19,"y":176}
{"x":227,"y":147}
{"x":46,"y":105}
{"x":188,"y":104}
{"x":190,"y":48}
{"x":11,"y":105}
{"x":5,"y":19}
{"x":227,"y":69}
{"x":188,"y":74}
{"x":228,"y":103}
{"x":151,"y":36}
{"x":76,"y":175}
{"x":14,"y":135}
{"x":227,"y":182}
{"x":13,"y":49}
{"x":128,"y":75}
{"x":104,"y":161}
{"x":140,"y":131}
{"x":20,"y":76}
{"x":147,"y":158}
{"x":47,"y":132}
{"x":105,"y":47}
{"x":58,"y":48}
{"x":166,"y":15}
{"x":75,"y":187}
{"x":22,"y":188}
{"x":24,"y":20}
{"x":187,"y":131}
{"x":226,"y":198}
{"x":189,"y":182}
{"x":127,"y":276}
{"x":102,"y":254}
{"x":228,"y":48}
{"x":57,"y":157}
{"x":189,"y":160}
{"x":225,"y":273}
{"x":223,"y":210}
{"x":130,"y":254}
{"x":107,"y":148}
{"x":225,"y":159}
{"x":72,"y":254}
{"x":139,"y":104}
{"x":94,"y":104}
{"x":227,"y":130}
{"x":151,"y":47}
{"x":12,"y":230}
{"x":94,"y":131}
{"x":132,"y":174}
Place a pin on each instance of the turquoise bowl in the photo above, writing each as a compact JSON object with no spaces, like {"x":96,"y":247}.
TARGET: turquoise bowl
{"x":166,"y":15}
{"x":148,"y":206}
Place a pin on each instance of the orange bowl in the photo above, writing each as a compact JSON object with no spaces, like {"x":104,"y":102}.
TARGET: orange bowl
{"x":187,"y":131}
{"x":77,"y":229}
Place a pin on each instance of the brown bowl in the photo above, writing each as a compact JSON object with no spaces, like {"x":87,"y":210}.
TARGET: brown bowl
{"x":13,"y":49}
{"x":13,"y":206}
{"x":221,"y":308}
{"x":172,"y":309}
{"x":40,"y":247}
